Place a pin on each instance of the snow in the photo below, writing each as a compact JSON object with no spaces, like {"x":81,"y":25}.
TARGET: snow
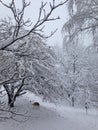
{"x":49,"y":116}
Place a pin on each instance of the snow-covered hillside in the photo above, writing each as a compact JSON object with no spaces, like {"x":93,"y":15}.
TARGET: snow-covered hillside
{"x":49,"y":117}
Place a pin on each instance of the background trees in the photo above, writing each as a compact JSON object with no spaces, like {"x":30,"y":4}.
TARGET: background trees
{"x":80,"y":46}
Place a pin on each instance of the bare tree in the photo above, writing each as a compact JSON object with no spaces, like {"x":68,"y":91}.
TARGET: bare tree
{"x":20,"y":23}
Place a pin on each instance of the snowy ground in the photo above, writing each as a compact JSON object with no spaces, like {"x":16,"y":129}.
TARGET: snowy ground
{"x":49,"y":117}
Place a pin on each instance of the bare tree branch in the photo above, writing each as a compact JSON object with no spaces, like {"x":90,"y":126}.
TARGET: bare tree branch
{"x":36,"y":29}
{"x":89,"y":27}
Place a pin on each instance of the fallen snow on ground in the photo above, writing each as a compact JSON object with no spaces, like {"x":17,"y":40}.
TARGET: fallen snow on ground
{"x":49,"y":117}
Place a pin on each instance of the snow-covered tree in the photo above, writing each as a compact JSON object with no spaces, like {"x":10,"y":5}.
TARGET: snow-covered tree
{"x":26,"y":63}
{"x":83,"y":21}
{"x":80,"y":39}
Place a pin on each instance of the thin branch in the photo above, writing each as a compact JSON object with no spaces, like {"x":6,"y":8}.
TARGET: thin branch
{"x":20,"y":87}
{"x":89,"y":27}
{"x":7,"y":81}
{"x":45,"y":37}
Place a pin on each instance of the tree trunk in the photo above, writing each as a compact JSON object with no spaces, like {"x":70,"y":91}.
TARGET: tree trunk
{"x":11,"y":104}
{"x":11,"y":101}
{"x":73,"y":101}
{"x":12,"y":95}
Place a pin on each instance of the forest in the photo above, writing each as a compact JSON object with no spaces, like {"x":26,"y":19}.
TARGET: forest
{"x":63,"y":75}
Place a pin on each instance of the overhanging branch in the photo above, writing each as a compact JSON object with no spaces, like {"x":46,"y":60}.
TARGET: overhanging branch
{"x":37,"y":27}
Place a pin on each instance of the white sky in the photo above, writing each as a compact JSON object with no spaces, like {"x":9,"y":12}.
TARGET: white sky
{"x":32,"y":13}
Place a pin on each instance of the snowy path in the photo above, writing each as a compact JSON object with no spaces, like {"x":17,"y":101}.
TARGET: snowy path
{"x":45,"y":118}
